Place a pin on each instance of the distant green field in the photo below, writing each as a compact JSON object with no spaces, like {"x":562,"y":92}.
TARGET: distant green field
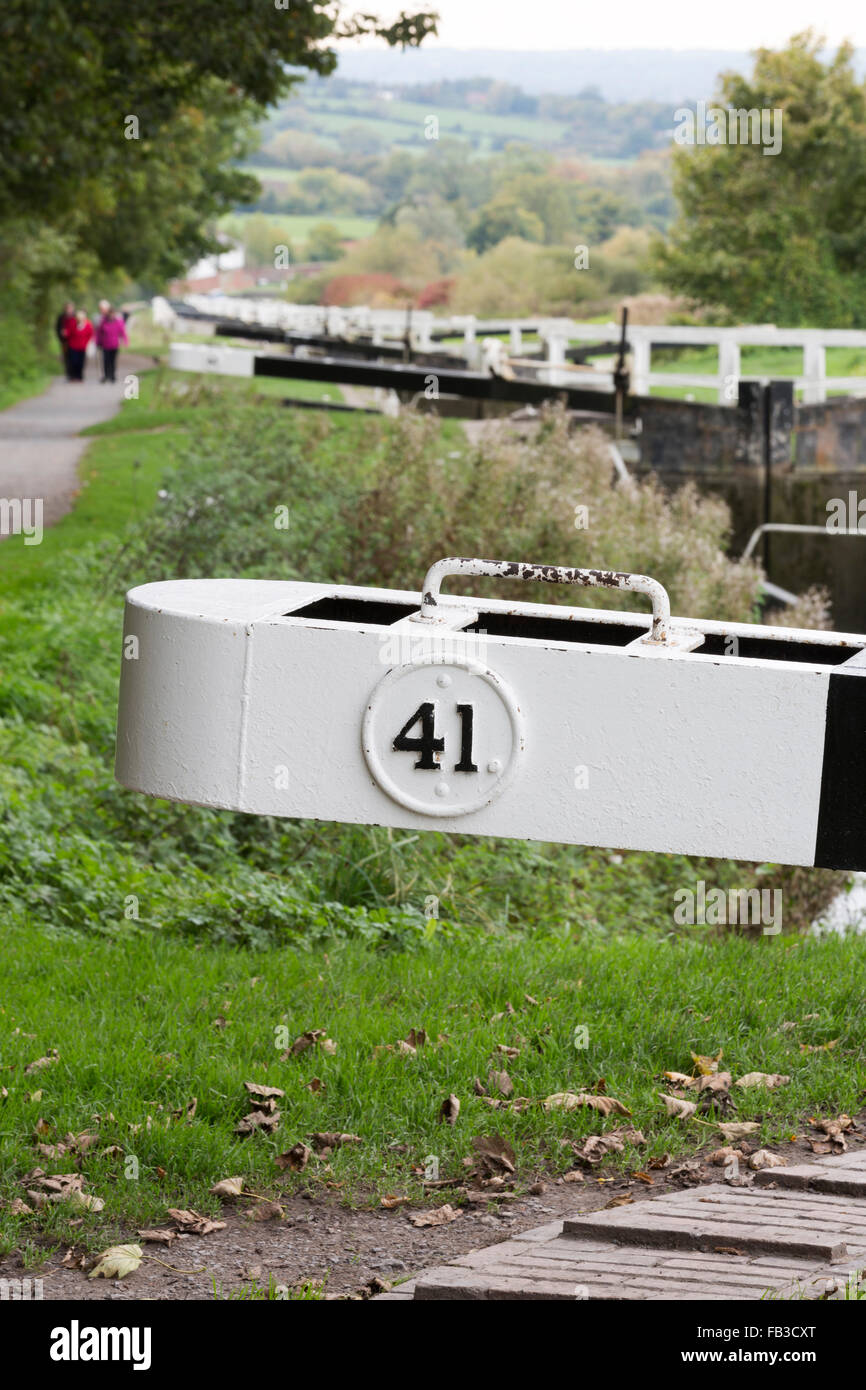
{"x":402,"y":123}
{"x":334,"y":123}
{"x":480,"y":122}
{"x":768,"y":362}
{"x":269,"y":174}
{"x":298,"y":225}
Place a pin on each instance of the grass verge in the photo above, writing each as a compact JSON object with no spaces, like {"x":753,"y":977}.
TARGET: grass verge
{"x":144,"y":1026}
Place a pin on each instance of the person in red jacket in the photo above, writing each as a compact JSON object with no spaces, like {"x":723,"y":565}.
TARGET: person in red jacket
{"x":77,"y":336}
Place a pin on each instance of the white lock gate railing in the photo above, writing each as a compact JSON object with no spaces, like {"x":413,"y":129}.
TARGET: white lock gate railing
{"x":489,"y":717}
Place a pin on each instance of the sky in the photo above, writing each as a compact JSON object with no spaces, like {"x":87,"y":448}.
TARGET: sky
{"x":570,"y":24}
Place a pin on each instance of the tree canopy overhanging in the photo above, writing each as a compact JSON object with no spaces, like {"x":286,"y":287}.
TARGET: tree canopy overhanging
{"x":119,"y":124}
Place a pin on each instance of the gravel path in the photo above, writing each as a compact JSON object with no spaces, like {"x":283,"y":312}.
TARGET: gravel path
{"x":40,"y":443}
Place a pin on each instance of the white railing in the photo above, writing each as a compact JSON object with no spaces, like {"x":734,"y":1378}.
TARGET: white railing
{"x":556,"y":334}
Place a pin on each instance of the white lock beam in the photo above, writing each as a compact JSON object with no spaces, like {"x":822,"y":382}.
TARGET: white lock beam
{"x":493,"y":718}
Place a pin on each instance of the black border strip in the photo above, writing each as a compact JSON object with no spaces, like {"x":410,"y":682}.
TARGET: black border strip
{"x":841,"y":837}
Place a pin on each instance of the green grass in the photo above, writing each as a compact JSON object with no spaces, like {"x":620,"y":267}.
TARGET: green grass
{"x":277,"y":927}
{"x":27,"y":366}
{"x":770,"y":362}
{"x":402,"y":123}
{"x":137,"y":1039}
{"x":299,"y":225}
{"x":21,"y":388}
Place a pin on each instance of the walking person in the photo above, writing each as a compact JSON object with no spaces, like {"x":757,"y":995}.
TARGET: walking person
{"x":78,"y":335}
{"x":102,"y":309}
{"x":64,"y":321}
{"x":110,"y":334}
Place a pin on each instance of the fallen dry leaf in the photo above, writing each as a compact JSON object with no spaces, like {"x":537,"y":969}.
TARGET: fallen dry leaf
{"x":834,"y":1127}
{"x":264,"y":1092}
{"x":679,"y":1109}
{"x":52,"y":1057}
{"x":575,"y":1100}
{"x":159,"y":1237}
{"x":228,"y":1188}
{"x":117,"y":1262}
{"x":51,"y":1150}
{"x":438,"y":1216}
{"x":690,"y":1173}
{"x":335,"y":1140}
{"x":738,"y":1129}
{"x":265,"y":1105}
{"x":308,"y":1039}
{"x":598,"y":1146}
{"x":714,"y":1081}
{"x":494,"y":1155}
{"x":765,"y":1159}
{"x":194,"y":1224}
{"x":83,"y":1200}
{"x":19,"y":1208}
{"x":449,"y":1110}
{"x":705,"y":1065}
{"x":258,"y":1119}
{"x":764,"y":1078}
{"x":719,"y":1157}
{"x":295,"y":1158}
{"x":834,"y":1132}
{"x":501,"y":1081}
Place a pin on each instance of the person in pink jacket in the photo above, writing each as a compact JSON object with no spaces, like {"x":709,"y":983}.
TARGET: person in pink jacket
{"x":110,"y":333}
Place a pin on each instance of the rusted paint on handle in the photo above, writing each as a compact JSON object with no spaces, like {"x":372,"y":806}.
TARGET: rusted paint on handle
{"x":549,"y":574}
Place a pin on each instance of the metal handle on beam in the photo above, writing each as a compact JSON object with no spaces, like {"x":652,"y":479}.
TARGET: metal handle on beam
{"x":550,"y":574}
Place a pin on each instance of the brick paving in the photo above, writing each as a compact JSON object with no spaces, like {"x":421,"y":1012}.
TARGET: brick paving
{"x":798,"y":1232}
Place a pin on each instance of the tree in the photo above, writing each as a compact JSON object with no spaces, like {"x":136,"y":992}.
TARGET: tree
{"x":324,"y":242}
{"x":262,"y":236}
{"x":778,"y":238}
{"x":504,"y":216}
{"x":119,"y":123}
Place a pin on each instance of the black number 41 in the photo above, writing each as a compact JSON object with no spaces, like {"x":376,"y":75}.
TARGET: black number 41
{"x":426,"y":743}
